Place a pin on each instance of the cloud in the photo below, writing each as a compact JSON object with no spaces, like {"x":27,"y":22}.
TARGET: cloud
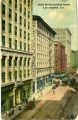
{"x":60,"y":16}
{"x":52,"y":14}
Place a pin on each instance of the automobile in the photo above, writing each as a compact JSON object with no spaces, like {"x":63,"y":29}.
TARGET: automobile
{"x":56,"y":78}
{"x":72,"y":80}
{"x":54,"y":82}
{"x":64,"y":81}
{"x":54,"y":87}
{"x":57,"y":84}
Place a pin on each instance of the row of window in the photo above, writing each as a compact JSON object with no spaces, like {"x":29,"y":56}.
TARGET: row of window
{"x":41,"y":84}
{"x":21,"y":75}
{"x":21,"y":4}
{"x":43,"y":64}
{"x":15,"y":61}
{"x":42,"y":48}
{"x":10,"y":3}
{"x":10,"y":29}
{"x":20,"y":21}
{"x":44,"y":30}
{"x":15,"y":44}
{"x":10,"y":11}
{"x":42,"y":56}
{"x":43,"y":72}
{"x":40,"y":39}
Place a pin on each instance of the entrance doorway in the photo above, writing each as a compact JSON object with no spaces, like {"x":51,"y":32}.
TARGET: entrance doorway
{"x":17,"y":96}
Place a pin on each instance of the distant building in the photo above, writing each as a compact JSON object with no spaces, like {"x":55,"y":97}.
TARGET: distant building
{"x":60,"y":59}
{"x":43,"y":59}
{"x":74,"y":59}
{"x":64,"y":36}
{"x":16,"y":52}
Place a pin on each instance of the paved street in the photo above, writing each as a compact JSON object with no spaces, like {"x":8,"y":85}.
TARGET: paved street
{"x":61,"y":103}
{"x":57,"y":94}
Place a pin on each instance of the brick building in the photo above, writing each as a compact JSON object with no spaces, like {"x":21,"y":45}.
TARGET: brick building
{"x":60,"y":57}
{"x":64,"y":36}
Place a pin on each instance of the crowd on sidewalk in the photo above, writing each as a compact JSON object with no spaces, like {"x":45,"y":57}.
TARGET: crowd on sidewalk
{"x":53,"y":94}
{"x":10,"y":114}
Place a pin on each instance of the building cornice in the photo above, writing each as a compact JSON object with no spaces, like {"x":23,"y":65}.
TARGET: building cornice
{"x":40,"y":33}
{"x":15,"y":51}
{"x":38,"y":18}
{"x":7,"y":84}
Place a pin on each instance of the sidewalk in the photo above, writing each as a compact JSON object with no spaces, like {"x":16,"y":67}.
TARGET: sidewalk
{"x":47,"y":95}
{"x":41,"y":93}
{"x":49,"y":101}
{"x":57,"y":94}
{"x":17,"y":111}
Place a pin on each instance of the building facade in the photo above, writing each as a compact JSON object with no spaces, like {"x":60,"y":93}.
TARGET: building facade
{"x":16,"y":52}
{"x":60,"y":60}
{"x":43,"y":59}
{"x":74,"y":59}
{"x":64,"y":36}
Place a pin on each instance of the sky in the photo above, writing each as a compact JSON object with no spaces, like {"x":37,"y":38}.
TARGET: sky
{"x":59,"y":18}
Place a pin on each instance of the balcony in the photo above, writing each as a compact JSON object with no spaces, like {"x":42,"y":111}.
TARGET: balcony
{"x":7,"y":84}
{"x":18,"y":83}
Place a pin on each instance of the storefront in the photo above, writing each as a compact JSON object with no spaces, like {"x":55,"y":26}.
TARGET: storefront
{"x":44,"y":81}
{"x":6,"y":98}
{"x":26,"y":90}
{"x":17,"y":95}
{"x":40,"y":83}
{"x":50,"y":79}
{"x":33,"y":87}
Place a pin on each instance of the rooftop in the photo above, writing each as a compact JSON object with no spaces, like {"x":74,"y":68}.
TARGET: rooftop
{"x":62,"y":29}
{"x":38,"y":18}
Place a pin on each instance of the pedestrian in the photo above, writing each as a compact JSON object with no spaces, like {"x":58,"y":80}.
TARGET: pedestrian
{"x":62,"y":118}
{"x":53,"y":91}
{"x":7,"y":114}
{"x":21,"y":102}
{"x":26,"y":100}
{"x":41,"y":94}
{"x":34,"y":98}
{"x":14,"y":118}
{"x":13,"y":111}
{"x":72,"y":116}
{"x":19,"y":107}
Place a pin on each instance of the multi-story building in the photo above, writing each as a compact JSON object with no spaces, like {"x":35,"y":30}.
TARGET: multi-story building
{"x":43,"y":59}
{"x":60,"y":61}
{"x":16,"y":52}
{"x":74,"y":59}
{"x":64,"y":36}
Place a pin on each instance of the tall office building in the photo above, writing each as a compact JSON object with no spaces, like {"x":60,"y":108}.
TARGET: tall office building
{"x":16,"y":52}
{"x":43,"y":59}
{"x":64,"y":36}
